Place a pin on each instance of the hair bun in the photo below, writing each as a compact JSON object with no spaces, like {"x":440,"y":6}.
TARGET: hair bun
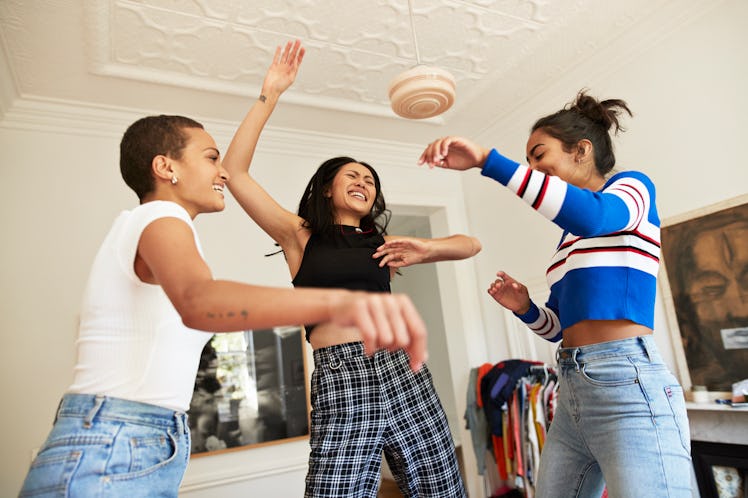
{"x":603,"y":113}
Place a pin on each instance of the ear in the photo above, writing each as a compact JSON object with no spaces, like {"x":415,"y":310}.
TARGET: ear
{"x":162,"y":167}
{"x":584,"y":151}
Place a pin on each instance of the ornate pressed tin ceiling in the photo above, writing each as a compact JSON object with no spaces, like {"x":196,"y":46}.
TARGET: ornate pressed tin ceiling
{"x":205,"y":57}
{"x":356,"y":47}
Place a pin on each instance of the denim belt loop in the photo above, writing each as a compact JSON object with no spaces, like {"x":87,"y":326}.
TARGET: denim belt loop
{"x":179,"y":420}
{"x":644,"y":340}
{"x":574,"y":357}
{"x":98,"y":403}
{"x":57,"y":413}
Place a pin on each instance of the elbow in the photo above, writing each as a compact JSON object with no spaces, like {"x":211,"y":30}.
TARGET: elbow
{"x":191,"y":318}
{"x":188,"y":305}
{"x":475,"y":246}
{"x":192,"y":321}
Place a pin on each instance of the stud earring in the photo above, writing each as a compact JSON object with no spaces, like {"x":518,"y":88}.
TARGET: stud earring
{"x":174,"y":180}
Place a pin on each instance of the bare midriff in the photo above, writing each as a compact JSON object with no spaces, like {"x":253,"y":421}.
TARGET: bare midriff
{"x":594,"y":331}
{"x":329,"y":334}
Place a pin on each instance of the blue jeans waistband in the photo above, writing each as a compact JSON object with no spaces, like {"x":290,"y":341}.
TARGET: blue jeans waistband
{"x":643,"y":344}
{"x":93,"y":406}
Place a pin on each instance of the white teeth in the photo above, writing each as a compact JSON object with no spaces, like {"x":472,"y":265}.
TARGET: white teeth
{"x":218,"y":188}
{"x":359,"y":195}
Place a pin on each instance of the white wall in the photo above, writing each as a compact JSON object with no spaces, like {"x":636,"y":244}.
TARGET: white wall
{"x":687,"y":89}
{"x":61,"y":191}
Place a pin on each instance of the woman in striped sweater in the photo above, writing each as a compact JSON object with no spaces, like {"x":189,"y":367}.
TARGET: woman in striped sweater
{"x":621,"y":419}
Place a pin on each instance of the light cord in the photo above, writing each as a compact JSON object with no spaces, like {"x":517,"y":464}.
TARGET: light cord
{"x":413,"y":29}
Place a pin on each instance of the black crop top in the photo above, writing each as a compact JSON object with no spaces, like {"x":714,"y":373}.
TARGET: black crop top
{"x":343,"y":260}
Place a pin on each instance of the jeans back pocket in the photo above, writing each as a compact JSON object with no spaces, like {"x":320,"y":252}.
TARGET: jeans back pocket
{"x":50,"y":473}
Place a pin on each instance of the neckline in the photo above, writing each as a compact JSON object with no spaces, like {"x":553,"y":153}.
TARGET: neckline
{"x":351,"y":230}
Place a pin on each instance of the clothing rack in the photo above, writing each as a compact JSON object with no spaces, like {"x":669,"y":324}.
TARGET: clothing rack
{"x":508,"y":417}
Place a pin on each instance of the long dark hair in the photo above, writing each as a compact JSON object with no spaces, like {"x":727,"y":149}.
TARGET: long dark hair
{"x":588,"y":118}
{"x":317,"y":210}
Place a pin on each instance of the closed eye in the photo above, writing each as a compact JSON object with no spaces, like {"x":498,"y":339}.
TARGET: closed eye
{"x":708,"y":286}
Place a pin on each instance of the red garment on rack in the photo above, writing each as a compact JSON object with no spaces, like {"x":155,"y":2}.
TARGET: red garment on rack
{"x":497,"y":441}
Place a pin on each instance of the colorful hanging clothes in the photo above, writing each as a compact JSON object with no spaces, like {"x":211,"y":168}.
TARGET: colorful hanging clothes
{"x":517,"y":399}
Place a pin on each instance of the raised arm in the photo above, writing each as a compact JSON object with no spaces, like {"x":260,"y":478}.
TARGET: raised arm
{"x":398,"y":252}
{"x":624,"y":203}
{"x":276,"y":221}
{"x":168,"y":256}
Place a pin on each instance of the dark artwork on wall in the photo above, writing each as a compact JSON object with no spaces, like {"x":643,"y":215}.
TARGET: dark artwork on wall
{"x":706,"y":258}
{"x":721,"y":469}
{"x":250,"y":390}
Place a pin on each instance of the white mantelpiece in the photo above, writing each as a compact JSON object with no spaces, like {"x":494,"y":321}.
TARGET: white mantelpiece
{"x":718,"y":423}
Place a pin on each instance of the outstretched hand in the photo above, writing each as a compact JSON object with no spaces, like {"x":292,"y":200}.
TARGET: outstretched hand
{"x":385,"y":321}
{"x":509,"y":293}
{"x":284,"y":68}
{"x":453,"y":153}
{"x":401,"y":252}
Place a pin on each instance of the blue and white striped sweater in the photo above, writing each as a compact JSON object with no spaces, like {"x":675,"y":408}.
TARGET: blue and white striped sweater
{"x":605,"y":267}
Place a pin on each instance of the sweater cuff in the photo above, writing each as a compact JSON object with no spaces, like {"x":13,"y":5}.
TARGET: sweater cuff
{"x":498,"y":167}
{"x":532,"y":314}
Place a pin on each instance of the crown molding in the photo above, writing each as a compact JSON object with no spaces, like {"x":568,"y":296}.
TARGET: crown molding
{"x":41,"y":114}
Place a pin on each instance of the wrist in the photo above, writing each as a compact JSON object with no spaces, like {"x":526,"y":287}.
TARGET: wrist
{"x":484,"y":158}
{"x":268,"y":95}
{"x":525,"y":310}
{"x":334,"y":300}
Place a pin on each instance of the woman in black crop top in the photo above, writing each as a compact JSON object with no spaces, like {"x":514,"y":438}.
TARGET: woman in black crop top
{"x":362,"y":405}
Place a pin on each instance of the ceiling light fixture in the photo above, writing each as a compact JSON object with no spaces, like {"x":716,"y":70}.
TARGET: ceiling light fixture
{"x":422,"y":91}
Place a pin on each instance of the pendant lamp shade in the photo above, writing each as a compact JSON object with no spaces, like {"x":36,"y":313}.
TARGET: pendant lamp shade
{"x":422,"y":91}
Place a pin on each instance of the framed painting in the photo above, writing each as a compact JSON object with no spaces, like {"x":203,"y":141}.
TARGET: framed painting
{"x":705,"y":289}
{"x":721,"y":469}
{"x":250,"y":390}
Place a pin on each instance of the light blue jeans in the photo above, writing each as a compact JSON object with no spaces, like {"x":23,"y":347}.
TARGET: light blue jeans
{"x":102,"y":446}
{"x":620,"y":422}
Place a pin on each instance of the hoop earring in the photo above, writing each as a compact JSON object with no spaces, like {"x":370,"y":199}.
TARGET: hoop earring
{"x":174,"y":180}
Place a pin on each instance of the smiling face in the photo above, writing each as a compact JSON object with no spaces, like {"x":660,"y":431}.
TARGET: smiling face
{"x":548,"y":155}
{"x":352,"y":192}
{"x":200,"y":175}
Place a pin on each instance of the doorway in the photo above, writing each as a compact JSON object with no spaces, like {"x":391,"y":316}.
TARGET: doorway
{"x":421,"y":283}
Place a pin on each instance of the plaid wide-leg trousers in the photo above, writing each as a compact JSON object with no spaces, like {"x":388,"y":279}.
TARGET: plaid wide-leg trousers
{"x":364,"y":406}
